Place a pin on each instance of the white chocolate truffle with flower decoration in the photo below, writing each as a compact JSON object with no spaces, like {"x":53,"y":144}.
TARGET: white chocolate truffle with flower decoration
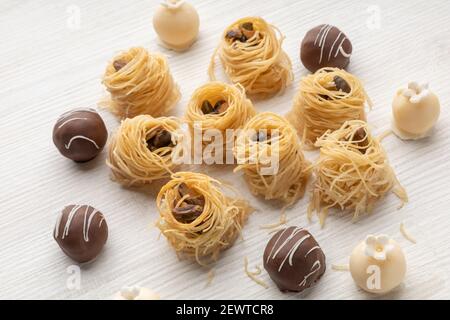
{"x":177,"y":23}
{"x":416,"y":110}
{"x":135,"y":293}
{"x":378,"y":264}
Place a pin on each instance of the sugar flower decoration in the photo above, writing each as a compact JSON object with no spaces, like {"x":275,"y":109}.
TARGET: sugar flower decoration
{"x":416,"y":92}
{"x":378,"y":247}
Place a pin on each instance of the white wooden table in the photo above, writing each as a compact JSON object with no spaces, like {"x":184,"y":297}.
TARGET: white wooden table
{"x":52,"y":57}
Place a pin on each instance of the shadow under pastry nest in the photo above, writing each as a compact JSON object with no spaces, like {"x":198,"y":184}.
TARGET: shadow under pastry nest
{"x":251,"y":54}
{"x":352,"y":172}
{"x":143,"y":150}
{"x":140,"y":82}
{"x":198,"y":219}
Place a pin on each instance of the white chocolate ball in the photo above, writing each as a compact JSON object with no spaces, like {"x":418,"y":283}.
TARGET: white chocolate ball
{"x":136,"y":293}
{"x":177,"y":23}
{"x":379,"y":268}
{"x":415,"y":111}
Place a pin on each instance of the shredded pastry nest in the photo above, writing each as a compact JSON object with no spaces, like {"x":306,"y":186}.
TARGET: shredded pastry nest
{"x":274,"y":167}
{"x":352,"y":173}
{"x":319,"y":107}
{"x":259,"y":64}
{"x":212,"y":231}
{"x":143,"y":85}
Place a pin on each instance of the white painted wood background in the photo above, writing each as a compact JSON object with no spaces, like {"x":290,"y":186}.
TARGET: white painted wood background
{"x":49,"y":63}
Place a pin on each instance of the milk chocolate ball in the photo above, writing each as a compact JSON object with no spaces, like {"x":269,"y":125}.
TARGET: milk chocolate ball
{"x":80,"y":134}
{"x":325,"y":46}
{"x":294,"y":259}
{"x":81,"y":232}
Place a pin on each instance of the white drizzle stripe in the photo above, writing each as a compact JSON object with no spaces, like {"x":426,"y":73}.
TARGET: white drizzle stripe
{"x":88,"y":226}
{"x":69,"y":220}
{"x":67,"y":121}
{"x":86,"y":222}
{"x":58,"y":224}
{"x":275,"y":244}
{"x":331,"y":49}
{"x":317,"y":263}
{"x":311,"y":250}
{"x":323,"y":41}
{"x":101,"y":221}
{"x":345,"y":54}
{"x":292,"y":235}
{"x":292,"y":251}
{"x":341,"y":50}
{"x":318,"y":34}
{"x":81,"y":137}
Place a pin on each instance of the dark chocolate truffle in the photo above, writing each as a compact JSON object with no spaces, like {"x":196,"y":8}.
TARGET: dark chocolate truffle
{"x":80,"y":134}
{"x":81,"y":232}
{"x":325,"y":46}
{"x":293,"y":259}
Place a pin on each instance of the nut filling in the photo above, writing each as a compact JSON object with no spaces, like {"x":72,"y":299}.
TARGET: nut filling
{"x":360,"y":140}
{"x":242,"y":33}
{"x":119,"y":64}
{"x":161,"y":139}
{"x":338,"y":84}
{"x":219,"y":107}
{"x":341,"y":84}
{"x":191,"y":207}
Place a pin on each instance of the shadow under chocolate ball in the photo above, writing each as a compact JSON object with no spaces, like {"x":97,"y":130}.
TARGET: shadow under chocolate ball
{"x":80,"y":134}
{"x":325,"y":46}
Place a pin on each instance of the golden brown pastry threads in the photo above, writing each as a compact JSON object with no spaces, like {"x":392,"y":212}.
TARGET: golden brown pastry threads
{"x":313,"y":113}
{"x":288,"y":184}
{"x":260,"y":65}
{"x":140,"y":83}
{"x":352,"y":172}
{"x":240,"y":109}
{"x":214,"y":230}
{"x":129,"y":157}
{"x":253,"y":275}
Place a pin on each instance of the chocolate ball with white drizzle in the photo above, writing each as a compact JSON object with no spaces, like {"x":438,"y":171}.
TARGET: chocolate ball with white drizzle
{"x":294,"y":259}
{"x":325,"y":46}
{"x":81,"y":231}
{"x":80,"y":134}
